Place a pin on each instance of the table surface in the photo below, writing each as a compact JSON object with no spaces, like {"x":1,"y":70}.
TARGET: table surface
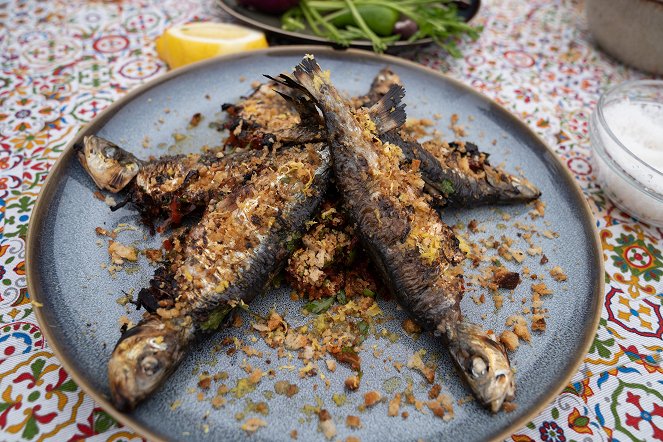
{"x":64,"y":61}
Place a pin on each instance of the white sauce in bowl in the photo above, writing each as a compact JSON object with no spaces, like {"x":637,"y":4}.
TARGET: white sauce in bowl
{"x":639,"y":127}
{"x":631,"y":138}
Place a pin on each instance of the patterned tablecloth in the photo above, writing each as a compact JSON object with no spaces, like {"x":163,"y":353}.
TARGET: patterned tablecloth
{"x":64,"y":61}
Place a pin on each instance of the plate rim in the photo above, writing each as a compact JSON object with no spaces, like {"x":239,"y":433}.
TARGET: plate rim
{"x":48,"y":188}
{"x":364,"y":44}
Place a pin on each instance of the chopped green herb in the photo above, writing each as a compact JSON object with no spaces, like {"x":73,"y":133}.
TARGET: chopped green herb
{"x":293,"y":241}
{"x":447,"y":187}
{"x":341,"y":298}
{"x":351,"y":256}
{"x":368,"y":292}
{"x":215,"y":318}
{"x":348,"y":350}
{"x":339,"y":399}
{"x":319,"y":305}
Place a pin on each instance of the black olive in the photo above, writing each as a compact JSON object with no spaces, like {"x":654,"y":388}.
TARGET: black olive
{"x":405,"y":28}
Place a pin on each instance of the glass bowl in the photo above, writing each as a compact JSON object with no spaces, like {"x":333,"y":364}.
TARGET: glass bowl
{"x":626,"y":152}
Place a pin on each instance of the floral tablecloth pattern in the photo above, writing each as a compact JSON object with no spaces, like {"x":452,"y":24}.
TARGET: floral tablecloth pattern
{"x":64,"y":61}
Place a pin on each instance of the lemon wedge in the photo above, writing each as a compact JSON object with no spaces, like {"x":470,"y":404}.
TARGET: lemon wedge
{"x":184,"y":44}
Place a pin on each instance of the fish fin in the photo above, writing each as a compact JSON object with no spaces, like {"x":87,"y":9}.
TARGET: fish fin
{"x":287,"y":81}
{"x":304,"y":75}
{"x":308,"y":66}
{"x":304,"y":106}
{"x":121,"y":204}
{"x":389,"y":113}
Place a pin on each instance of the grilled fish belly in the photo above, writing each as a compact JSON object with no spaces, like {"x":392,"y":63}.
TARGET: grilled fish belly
{"x":242,"y":240}
{"x":416,"y":253}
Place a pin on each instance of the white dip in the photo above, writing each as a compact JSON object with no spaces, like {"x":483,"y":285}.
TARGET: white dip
{"x":639,"y":127}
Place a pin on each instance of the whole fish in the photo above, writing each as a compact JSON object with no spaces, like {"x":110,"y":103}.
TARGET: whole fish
{"x":456,"y":174}
{"x":172,"y":185}
{"x":415,"y":252}
{"x":243,"y":239}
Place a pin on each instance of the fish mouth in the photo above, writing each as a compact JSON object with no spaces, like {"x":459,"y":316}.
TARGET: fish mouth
{"x":510,"y":188}
{"x":507,"y":394}
{"x":527,"y":191}
{"x":110,"y":167}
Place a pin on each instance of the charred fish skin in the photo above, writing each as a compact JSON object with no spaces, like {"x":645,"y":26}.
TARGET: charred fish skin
{"x":461,"y":174}
{"x":241,"y":242}
{"x":179,"y":184}
{"x":271,"y":221}
{"x":457,"y":174}
{"x":412,"y":248}
{"x":384,"y":224}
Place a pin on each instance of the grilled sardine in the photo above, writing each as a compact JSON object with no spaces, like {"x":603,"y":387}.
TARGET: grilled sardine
{"x":416,"y":253}
{"x":242,"y":240}
{"x":172,"y":185}
{"x":457,"y":174}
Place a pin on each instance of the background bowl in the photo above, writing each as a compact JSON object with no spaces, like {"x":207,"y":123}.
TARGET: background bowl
{"x":627,"y":179}
{"x":272,"y":25}
{"x":630,"y":30}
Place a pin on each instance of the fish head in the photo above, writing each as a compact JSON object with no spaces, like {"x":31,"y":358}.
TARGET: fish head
{"x":143,"y":358}
{"x":110,"y":166}
{"x":483,"y":363}
{"x":526,"y":190}
{"x":510,"y":188}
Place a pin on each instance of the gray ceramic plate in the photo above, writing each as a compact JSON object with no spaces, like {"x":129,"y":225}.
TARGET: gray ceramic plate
{"x":80,"y":315}
{"x":272,"y":23}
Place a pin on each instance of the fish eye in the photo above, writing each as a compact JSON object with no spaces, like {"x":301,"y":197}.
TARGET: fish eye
{"x":149,"y":365}
{"x":479,"y":367}
{"x":110,"y":151}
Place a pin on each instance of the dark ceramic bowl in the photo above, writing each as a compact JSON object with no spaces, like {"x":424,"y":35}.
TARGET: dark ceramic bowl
{"x":272,"y":25}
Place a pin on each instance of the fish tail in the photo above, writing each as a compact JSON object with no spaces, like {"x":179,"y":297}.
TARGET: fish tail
{"x":308,"y":77}
{"x":307,"y":70}
{"x":389,"y":112}
{"x":303,"y":104}
{"x":287,"y":81}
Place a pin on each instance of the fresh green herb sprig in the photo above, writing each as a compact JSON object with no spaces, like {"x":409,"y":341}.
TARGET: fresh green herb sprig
{"x":437,"y":19}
